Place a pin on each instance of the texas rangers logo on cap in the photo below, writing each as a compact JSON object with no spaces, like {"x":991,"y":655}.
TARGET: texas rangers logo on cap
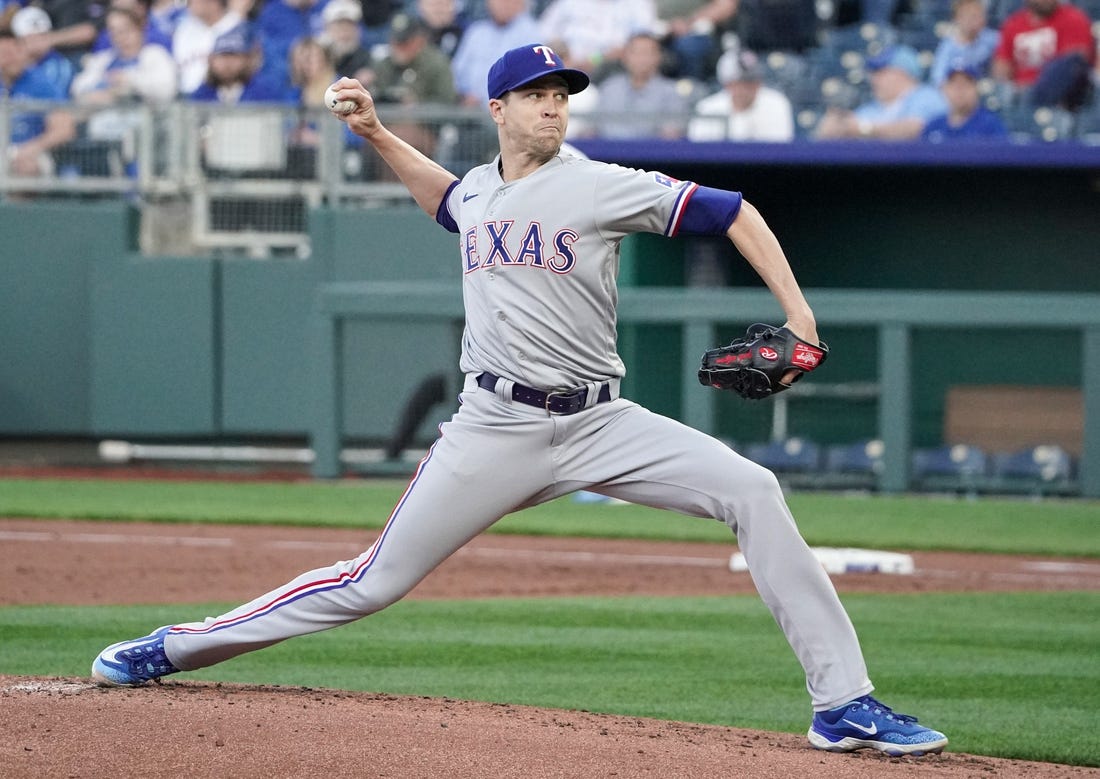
{"x":524,"y":64}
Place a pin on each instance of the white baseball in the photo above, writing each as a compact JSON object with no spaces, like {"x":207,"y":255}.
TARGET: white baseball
{"x":338,"y":106}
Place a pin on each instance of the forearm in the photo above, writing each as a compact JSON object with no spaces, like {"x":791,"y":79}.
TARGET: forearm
{"x":60,"y":129}
{"x":426,"y":180}
{"x":72,"y":37}
{"x":758,"y":245}
{"x":901,"y":130}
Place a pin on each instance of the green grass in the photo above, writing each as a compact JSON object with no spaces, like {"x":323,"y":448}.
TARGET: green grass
{"x":1009,"y":675}
{"x":1054,"y":527}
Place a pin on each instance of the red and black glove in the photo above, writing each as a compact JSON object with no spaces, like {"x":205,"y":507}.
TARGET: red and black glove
{"x":754,"y":366}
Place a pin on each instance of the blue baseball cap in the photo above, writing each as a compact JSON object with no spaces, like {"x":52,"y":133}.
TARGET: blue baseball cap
{"x":967,"y":68}
{"x":901,"y":57}
{"x":524,"y":64}
{"x":239,"y":40}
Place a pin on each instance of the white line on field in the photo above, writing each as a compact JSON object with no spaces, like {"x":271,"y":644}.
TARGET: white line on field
{"x":591,"y":558}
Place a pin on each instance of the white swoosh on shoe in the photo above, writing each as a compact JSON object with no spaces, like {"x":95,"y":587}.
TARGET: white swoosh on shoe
{"x":870,"y":731}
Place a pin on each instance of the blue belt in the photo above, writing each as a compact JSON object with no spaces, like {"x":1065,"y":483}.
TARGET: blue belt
{"x":568,"y":402}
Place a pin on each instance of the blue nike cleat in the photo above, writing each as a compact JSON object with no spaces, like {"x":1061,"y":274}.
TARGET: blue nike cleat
{"x":867,"y":724}
{"x":134,"y":662}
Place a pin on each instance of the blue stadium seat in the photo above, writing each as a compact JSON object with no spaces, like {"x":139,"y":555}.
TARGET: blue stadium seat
{"x":862,"y":457}
{"x":1088,"y":123}
{"x":1038,"y":469}
{"x":853,"y":466}
{"x":795,"y":455}
{"x":1047,"y":125}
{"x":951,"y":467}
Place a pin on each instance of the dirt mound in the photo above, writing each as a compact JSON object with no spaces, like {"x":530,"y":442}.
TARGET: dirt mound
{"x":69,"y":728}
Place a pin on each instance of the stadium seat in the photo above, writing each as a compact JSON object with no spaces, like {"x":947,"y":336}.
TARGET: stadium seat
{"x":951,"y":467}
{"x":1088,"y":123}
{"x":785,"y":70}
{"x":1036,"y":469}
{"x":855,"y":465}
{"x":1038,"y":124}
{"x":863,"y":457}
{"x":795,"y":455}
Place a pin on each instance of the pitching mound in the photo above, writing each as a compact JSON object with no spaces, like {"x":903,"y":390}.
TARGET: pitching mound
{"x":69,"y":728}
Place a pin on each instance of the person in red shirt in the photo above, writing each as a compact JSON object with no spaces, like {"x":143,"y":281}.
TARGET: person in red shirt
{"x":1046,"y":52}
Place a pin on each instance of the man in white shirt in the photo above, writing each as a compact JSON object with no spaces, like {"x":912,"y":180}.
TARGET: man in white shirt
{"x":194,"y":38}
{"x":745,"y":109}
{"x":591,"y":34}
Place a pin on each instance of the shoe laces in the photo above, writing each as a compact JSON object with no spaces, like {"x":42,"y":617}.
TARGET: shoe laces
{"x":148,"y":660}
{"x":878,"y":707}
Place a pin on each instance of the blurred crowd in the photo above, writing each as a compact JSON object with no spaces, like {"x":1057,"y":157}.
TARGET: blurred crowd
{"x":703,"y":70}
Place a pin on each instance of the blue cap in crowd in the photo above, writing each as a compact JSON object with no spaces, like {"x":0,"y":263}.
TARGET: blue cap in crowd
{"x":525,"y":64}
{"x":239,"y":40}
{"x":967,"y":68}
{"x":901,"y":57}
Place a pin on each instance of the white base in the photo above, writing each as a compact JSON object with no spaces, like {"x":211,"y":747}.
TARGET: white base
{"x":835,"y":561}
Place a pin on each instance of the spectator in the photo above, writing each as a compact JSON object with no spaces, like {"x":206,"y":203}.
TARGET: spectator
{"x":969,"y":41}
{"x":115,"y":79}
{"x":966,"y":117}
{"x":900,"y":107}
{"x":55,"y":67}
{"x":153,"y":33}
{"x":639,"y":102}
{"x":235,"y":75}
{"x":590,"y":34}
{"x":311,"y":72}
{"x":1046,"y":52}
{"x":194,"y":38}
{"x":690,"y":30}
{"x":34,"y":134}
{"x":344,"y":37}
{"x":74,"y":26}
{"x":415,"y":71}
{"x":131,"y":68}
{"x":445,"y":23}
{"x":279,"y":24}
{"x":164,"y":16}
{"x":745,"y":109}
{"x":243,"y":142}
{"x":507,"y":25}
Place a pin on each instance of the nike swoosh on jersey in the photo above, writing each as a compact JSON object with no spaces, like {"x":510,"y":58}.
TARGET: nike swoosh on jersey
{"x":870,"y":731}
{"x":469,"y":196}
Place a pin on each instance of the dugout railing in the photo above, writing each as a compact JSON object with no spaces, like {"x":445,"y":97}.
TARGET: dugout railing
{"x":698,"y":312}
{"x":242,"y":179}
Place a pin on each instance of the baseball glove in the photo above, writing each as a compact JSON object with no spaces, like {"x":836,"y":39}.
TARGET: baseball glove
{"x":754,"y":366}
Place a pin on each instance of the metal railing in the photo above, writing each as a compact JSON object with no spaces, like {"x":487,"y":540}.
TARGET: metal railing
{"x":699,"y":312}
{"x":244,"y":176}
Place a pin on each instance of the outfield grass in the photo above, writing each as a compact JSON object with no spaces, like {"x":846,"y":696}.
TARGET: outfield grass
{"x":1009,"y":675}
{"x":1053,"y":527}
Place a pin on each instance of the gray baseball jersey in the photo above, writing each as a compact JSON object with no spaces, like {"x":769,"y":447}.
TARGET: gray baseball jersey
{"x":540,"y":256}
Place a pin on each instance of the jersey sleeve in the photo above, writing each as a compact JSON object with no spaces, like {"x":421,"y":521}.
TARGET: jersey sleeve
{"x":629,"y":201}
{"x":443,"y":214}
